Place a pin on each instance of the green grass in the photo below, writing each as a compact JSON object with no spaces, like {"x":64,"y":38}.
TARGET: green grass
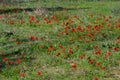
{"x":44,"y":53}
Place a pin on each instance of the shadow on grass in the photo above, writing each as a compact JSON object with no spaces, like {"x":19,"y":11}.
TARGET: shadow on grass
{"x":17,"y":10}
{"x":13,"y":57}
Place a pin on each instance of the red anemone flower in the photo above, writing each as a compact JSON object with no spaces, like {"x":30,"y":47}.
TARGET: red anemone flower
{"x":32,"y":38}
{"x":98,"y":64}
{"x":22,"y":74}
{"x":74,"y":65}
{"x":6,"y":59}
{"x":10,"y":63}
{"x":38,"y":73}
{"x":18,"y":61}
{"x":95,"y":78}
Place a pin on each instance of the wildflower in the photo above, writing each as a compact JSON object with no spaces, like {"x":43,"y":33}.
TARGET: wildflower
{"x":63,"y":50}
{"x":93,"y":39}
{"x":82,"y":56}
{"x":22,"y":74}
{"x":49,"y":49}
{"x":32,"y":18}
{"x":96,"y":47}
{"x":0,"y":16}
{"x":116,"y":49}
{"x":71,"y":51}
{"x":103,"y":67}
{"x":57,"y":20}
{"x":32,"y":38}
{"x":72,"y":60}
{"x":76,"y":17}
{"x":98,"y":52}
{"x":17,"y":42}
{"x":89,"y":27}
{"x":98,"y":64}
{"x":70,"y":20}
{"x":89,"y":35}
{"x":61,"y":46}
{"x":108,"y":54}
{"x":37,"y":21}
{"x":41,"y":47}
{"x":105,"y":17}
{"x":38,"y":73}
{"x":79,"y":28}
{"x":58,"y":54}
{"x":5,"y":59}
{"x":46,"y":19}
{"x":18,"y":61}
{"x":80,"y":37}
{"x":118,"y":25}
{"x":91,"y":61}
{"x":95,"y":78}
{"x":109,"y":25}
{"x":12,"y":22}
{"x":10,"y":63}
{"x":73,"y":30}
{"x":118,"y":40}
{"x":48,"y":22}
{"x":74,"y":65}
{"x":86,"y":41}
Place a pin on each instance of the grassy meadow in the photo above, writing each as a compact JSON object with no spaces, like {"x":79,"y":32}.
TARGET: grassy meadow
{"x":71,"y":40}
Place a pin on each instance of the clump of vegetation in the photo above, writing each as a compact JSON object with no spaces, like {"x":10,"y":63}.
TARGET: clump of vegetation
{"x":116,"y":10}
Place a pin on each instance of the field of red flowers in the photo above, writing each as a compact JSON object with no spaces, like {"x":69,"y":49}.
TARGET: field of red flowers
{"x":67,"y":44}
